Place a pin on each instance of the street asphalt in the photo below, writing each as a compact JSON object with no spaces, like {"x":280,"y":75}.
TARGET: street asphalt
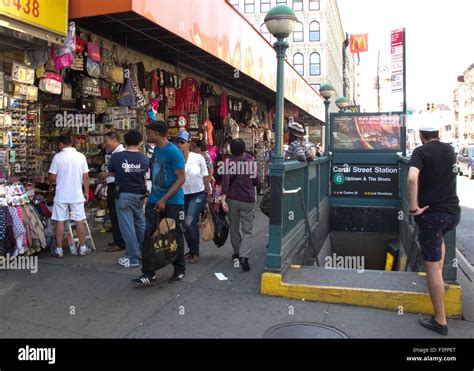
{"x":92,"y":297}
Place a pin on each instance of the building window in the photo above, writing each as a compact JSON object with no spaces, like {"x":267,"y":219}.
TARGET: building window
{"x":265,"y":33}
{"x":298,"y":63}
{"x":281,"y":2}
{"x":298,"y":33}
{"x":316,"y":87}
{"x":265,"y":6}
{"x":315,"y":64}
{"x":234,"y":3}
{"x":297,"y":4}
{"x":249,"y":6}
{"x":314,"y":31}
{"x":314,"y":5}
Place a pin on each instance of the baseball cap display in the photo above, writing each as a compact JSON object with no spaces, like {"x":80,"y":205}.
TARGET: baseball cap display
{"x":296,"y":129}
{"x":183,"y":135}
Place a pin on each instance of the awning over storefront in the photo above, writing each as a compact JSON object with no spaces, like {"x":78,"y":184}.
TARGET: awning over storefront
{"x":208,"y":37}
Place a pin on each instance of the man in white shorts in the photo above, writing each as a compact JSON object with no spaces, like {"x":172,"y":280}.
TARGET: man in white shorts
{"x":69,"y":171}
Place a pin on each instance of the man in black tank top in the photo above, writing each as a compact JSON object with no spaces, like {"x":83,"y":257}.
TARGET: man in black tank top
{"x":435,"y":206}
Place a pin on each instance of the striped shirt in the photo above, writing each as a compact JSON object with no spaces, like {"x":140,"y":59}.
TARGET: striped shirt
{"x":298,"y":151}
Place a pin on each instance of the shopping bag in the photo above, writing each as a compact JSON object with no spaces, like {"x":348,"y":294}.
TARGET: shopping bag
{"x":221,"y":227}
{"x":207,"y":225}
{"x":161,"y":249}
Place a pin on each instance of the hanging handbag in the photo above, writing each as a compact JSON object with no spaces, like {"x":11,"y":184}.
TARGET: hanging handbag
{"x":140,"y":101}
{"x":67,"y":92}
{"x":105,"y":62}
{"x":116,"y":71}
{"x":126,"y":94}
{"x":78,"y":63}
{"x":93,"y":51}
{"x":105,"y":89}
{"x":80,"y":45}
{"x":51,"y":83}
{"x":100,"y":106}
{"x":161,"y":249}
{"x":207,"y":225}
{"x":92,"y":67}
{"x":89,"y":87}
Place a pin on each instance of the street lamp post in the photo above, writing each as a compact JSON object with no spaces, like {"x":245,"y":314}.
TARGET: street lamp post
{"x":326,"y":91}
{"x":280,"y":22}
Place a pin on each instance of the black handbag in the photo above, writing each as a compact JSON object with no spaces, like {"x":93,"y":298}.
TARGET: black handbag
{"x":161,"y":249}
{"x":221,"y":226}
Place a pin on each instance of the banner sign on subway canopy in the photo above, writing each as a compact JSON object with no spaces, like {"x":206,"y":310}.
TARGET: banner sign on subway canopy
{"x":366,"y":132}
{"x":359,"y":43}
{"x":51,"y":15}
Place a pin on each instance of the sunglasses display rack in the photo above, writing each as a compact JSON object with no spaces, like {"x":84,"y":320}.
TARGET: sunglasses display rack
{"x":18,"y":134}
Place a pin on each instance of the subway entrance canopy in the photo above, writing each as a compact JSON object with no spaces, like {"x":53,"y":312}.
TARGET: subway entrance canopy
{"x":209,"y":38}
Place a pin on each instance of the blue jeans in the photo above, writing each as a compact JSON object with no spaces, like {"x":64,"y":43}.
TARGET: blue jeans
{"x":131,"y":218}
{"x":193,"y":206}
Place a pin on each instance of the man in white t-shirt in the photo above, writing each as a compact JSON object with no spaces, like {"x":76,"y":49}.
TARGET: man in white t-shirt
{"x":69,"y":171}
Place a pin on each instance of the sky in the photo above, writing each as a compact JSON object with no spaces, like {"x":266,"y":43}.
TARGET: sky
{"x":440,"y":45}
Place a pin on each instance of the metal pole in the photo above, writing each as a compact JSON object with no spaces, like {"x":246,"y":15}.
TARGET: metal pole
{"x":326,"y":128}
{"x":280,"y":47}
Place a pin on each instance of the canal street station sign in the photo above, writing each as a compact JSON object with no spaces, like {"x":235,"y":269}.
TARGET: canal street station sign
{"x":372,"y":181}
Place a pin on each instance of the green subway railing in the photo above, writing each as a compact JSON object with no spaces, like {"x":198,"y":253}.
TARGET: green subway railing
{"x":287,"y":217}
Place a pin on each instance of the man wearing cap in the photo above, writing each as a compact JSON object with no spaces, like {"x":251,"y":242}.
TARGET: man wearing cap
{"x":166,"y":199}
{"x":296,"y":148}
{"x":435,"y":206}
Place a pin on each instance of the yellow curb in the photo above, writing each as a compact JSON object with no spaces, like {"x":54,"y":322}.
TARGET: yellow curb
{"x":411,"y":302}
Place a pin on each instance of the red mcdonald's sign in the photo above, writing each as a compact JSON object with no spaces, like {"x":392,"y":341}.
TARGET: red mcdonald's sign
{"x":359,"y":43}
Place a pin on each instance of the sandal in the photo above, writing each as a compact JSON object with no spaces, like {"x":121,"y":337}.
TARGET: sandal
{"x":114,"y":248}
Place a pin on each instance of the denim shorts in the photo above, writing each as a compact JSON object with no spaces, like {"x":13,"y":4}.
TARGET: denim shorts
{"x":432,"y":226}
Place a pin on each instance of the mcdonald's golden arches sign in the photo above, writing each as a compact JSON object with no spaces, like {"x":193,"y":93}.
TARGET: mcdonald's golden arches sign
{"x":359,"y":43}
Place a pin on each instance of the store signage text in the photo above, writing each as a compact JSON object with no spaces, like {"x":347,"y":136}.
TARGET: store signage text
{"x":48,"y":14}
{"x":75,"y":120}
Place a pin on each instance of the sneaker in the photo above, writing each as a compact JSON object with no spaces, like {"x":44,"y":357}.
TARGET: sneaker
{"x":144,"y":280}
{"x":245,"y":264}
{"x":431,"y":324}
{"x":57,"y":252}
{"x":73,"y":249}
{"x":125,"y":262}
{"x":176,"y":277}
{"x":84,"y":250}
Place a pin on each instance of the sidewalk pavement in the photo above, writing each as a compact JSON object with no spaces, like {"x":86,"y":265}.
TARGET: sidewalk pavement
{"x":92,"y":297}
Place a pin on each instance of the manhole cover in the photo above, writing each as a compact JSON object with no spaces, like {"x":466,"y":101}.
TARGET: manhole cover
{"x":303,"y":330}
